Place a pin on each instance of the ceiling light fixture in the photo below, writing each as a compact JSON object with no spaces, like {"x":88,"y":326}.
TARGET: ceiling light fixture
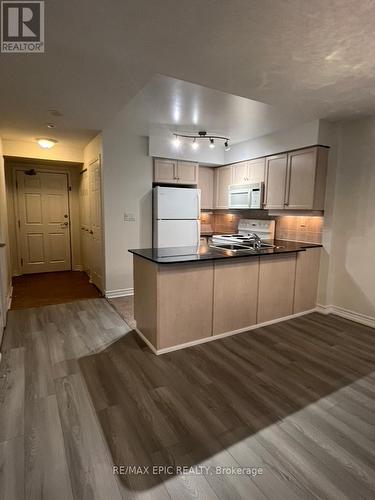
{"x":50,"y":125}
{"x":176,"y":141}
{"x":195,"y":145}
{"x":46,"y":143}
{"x":202,"y":135}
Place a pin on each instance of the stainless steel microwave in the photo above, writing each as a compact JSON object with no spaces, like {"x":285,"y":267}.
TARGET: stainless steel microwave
{"x":246,"y":195}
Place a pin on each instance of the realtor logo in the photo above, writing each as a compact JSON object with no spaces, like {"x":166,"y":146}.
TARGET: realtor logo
{"x":22,"y":27}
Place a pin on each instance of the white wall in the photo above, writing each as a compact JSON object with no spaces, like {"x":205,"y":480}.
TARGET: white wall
{"x":351,"y":268}
{"x":306,"y":134}
{"x":25,"y":149}
{"x":92,"y":150}
{"x":127,"y":183}
{"x":5,"y":274}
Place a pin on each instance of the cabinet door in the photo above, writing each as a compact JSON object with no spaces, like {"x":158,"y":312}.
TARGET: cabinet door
{"x":235,"y":294}
{"x":240,"y":173}
{"x":307,"y":276}
{"x":206,"y":185}
{"x":187,"y":172}
{"x":165,"y":171}
{"x":301,"y":179}
{"x":276,"y":175}
{"x":256,"y":170}
{"x":223,"y":179}
{"x":276,"y":286}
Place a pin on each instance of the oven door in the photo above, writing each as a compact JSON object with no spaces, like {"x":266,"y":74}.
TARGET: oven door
{"x":239,"y":197}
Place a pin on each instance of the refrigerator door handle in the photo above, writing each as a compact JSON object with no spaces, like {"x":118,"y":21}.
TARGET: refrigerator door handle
{"x":198,"y":233}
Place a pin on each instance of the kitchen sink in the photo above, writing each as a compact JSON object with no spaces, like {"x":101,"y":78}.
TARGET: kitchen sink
{"x":233,"y":247}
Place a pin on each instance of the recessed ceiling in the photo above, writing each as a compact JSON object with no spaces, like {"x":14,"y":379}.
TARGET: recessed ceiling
{"x":178,"y":106}
{"x":314,"y":58}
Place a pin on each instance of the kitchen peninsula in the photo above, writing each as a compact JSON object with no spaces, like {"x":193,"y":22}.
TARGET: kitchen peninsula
{"x":183,"y":297}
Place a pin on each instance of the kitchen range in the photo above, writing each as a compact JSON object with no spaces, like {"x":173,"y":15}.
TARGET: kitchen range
{"x":252,"y":234}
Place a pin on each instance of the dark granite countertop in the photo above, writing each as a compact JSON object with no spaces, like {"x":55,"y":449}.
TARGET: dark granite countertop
{"x":206,"y":252}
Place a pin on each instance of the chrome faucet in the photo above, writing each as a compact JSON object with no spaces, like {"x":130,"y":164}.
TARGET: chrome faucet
{"x":257,"y":241}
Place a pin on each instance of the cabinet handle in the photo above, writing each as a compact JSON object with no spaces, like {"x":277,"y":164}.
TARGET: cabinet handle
{"x":91,"y":232}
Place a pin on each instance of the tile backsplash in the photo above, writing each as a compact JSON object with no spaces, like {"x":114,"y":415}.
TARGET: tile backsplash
{"x":288,"y":227}
{"x":298,"y":228}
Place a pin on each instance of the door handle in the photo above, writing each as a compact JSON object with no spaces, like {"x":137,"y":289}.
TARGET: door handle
{"x":64,"y":224}
{"x":91,"y":231}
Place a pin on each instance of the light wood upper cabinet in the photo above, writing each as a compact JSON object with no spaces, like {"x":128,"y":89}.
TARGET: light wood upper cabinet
{"x":175,"y":172}
{"x":165,"y":171}
{"x":223,"y":179}
{"x":276,"y":176}
{"x":256,"y":170}
{"x":296,"y":181}
{"x":206,"y":185}
{"x":248,"y":172}
{"x":307,"y":170}
{"x":187,"y":172}
{"x":240,"y":173}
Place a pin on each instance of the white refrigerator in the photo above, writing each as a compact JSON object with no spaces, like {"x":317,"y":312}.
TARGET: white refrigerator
{"x":176,"y":217}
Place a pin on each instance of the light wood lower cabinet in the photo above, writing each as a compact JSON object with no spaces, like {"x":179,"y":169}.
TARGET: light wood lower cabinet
{"x":307,"y":277}
{"x":235,"y":294}
{"x":276,"y":286}
{"x":177,"y":304}
{"x":184,"y":303}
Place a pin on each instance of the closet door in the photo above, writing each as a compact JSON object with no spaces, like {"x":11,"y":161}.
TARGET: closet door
{"x":96,"y":252}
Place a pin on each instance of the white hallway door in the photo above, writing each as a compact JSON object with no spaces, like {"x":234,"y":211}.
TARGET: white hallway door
{"x":96,"y":254}
{"x":44,"y":222}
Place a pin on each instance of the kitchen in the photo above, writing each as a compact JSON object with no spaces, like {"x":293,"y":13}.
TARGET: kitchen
{"x":257,"y":275}
{"x":246,"y":368}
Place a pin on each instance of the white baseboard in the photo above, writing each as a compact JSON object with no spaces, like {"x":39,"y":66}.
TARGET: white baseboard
{"x":78,"y":267}
{"x":363,"y":319}
{"x":220,"y":335}
{"x":121,"y":292}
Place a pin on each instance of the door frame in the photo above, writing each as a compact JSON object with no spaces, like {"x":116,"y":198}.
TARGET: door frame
{"x":41,"y":165}
{"x":17,"y":211}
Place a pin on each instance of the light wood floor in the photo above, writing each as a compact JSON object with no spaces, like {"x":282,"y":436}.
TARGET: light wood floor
{"x":296,"y":399}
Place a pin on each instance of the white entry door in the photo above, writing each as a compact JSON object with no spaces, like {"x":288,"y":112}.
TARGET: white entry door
{"x":44,"y":222}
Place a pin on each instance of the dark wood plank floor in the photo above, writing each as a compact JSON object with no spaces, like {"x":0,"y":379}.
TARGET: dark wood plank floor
{"x":42,"y":289}
{"x":79,"y":393}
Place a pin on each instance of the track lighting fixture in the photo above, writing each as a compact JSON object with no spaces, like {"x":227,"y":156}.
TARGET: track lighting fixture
{"x":176,"y":141}
{"x":195,"y":145}
{"x":202,"y":135}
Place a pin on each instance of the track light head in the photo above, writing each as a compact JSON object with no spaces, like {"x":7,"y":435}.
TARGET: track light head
{"x":194,"y":144}
{"x":176,"y":141}
{"x":212,"y":143}
{"x":226,"y":145}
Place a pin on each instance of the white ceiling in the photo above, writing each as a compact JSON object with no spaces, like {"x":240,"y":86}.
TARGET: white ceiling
{"x":169,"y":104}
{"x":314,"y":58}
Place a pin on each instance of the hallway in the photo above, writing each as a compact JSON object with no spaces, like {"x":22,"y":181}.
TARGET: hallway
{"x":36,"y":290}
